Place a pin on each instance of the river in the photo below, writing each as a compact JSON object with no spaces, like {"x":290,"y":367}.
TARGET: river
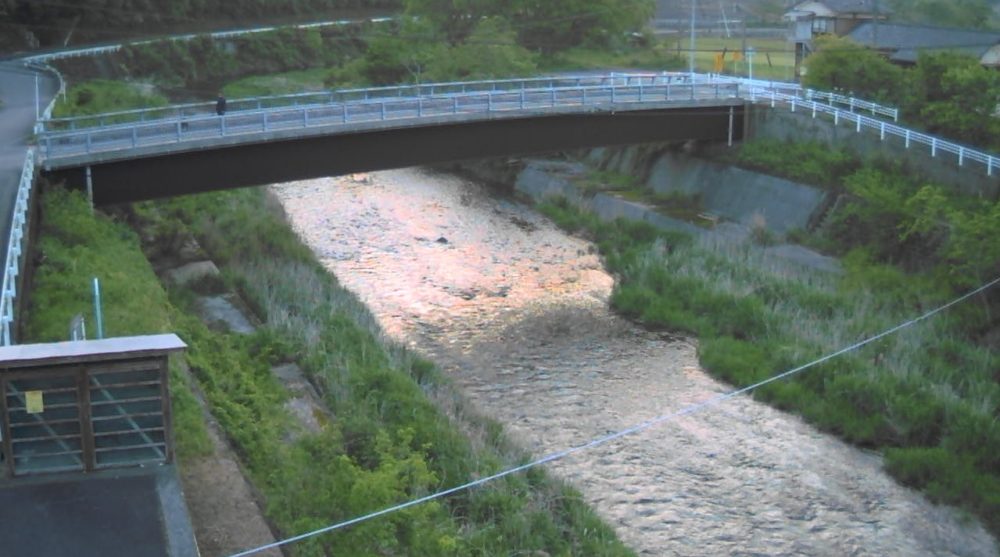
{"x":516,"y":311}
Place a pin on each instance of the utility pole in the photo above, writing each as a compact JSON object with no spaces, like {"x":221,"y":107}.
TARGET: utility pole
{"x":694,"y":7}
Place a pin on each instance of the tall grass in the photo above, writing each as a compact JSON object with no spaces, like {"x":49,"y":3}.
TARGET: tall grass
{"x":927,"y":396}
{"x":388,"y":441}
{"x":74,"y":246}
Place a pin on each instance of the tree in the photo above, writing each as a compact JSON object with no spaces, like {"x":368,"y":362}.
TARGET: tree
{"x":542,"y":25}
{"x":454,"y":18}
{"x":491,"y":51}
{"x":404,"y":54}
{"x":840,"y":64}
{"x":957,"y":97}
{"x":949,"y":13}
{"x":551,"y":25}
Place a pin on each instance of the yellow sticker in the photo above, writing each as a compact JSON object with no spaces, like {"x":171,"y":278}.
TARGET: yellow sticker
{"x":33,"y":402}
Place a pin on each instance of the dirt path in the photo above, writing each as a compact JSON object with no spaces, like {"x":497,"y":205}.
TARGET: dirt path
{"x":516,"y":312}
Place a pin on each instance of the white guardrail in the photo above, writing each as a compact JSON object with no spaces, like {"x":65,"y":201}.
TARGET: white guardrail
{"x":12,"y":267}
{"x":884,"y":129}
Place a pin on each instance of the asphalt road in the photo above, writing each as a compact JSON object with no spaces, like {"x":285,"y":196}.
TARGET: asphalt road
{"x":17,"y":120}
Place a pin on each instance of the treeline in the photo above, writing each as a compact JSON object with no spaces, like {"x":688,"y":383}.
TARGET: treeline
{"x":198,"y":67}
{"x":950,"y":13}
{"x":946,"y":93}
{"x":56,"y":23}
{"x":425,"y":45}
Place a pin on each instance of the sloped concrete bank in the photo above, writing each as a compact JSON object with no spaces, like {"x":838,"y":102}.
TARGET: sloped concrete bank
{"x":734,"y":201}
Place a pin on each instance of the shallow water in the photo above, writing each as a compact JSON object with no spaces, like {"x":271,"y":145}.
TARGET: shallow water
{"x":516,"y":311}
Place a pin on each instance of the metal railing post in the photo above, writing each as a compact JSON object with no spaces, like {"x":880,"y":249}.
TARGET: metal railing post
{"x":961,"y":155}
{"x":881,"y":134}
{"x":858,"y":116}
{"x":933,"y":147}
{"x":907,"y":139}
{"x":730,"y":142}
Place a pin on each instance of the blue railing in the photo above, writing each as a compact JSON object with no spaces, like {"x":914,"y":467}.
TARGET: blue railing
{"x":363,"y":94}
{"x":12,"y":267}
{"x":107,"y":133}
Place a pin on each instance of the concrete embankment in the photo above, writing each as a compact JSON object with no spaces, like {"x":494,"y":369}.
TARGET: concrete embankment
{"x":733,"y":201}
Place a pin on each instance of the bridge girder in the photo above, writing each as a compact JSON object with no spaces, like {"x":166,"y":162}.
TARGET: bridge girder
{"x":276,"y":161}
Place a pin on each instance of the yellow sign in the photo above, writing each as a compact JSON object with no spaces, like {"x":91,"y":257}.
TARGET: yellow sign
{"x":33,"y":402}
{"x":720,"y":62}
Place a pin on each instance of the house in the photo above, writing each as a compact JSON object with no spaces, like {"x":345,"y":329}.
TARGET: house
{"x":903,"y":43}
{"x":814,"y":18}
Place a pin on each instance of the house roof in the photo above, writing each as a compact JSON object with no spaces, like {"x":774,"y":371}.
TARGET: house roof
{"x":906,"y":41}
{"x":848,"y":6}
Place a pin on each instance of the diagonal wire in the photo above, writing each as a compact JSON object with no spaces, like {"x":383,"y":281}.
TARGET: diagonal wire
{"x":619,"y":434}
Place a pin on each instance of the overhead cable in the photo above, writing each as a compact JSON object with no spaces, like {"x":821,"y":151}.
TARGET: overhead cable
{"x":619,"y":434}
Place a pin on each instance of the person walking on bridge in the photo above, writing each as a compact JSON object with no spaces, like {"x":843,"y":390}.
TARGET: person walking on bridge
{"x":220,"y":105}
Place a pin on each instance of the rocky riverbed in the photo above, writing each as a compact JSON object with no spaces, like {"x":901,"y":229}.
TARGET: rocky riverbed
{"x":516,"y":312}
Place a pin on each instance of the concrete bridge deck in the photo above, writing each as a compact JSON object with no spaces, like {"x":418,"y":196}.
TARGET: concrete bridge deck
{"x":173,"y":152}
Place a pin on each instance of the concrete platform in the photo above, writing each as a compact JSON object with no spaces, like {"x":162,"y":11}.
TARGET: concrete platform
{"x":136,"y":512}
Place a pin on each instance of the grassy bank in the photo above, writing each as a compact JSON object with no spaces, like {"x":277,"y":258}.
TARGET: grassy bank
{"x":926,"y":397}
{"x":73,"y":247}
{"x":387,"y":442}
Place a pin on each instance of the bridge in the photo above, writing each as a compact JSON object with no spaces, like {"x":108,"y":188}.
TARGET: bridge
{"x":150,"y":153}
{"x":143,"y":154}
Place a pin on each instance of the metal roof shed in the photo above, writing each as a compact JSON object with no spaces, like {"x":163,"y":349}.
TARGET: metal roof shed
{"x":82,"y":406}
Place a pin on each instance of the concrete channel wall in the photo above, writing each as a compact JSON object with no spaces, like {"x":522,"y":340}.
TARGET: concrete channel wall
{"x":725,"y":193}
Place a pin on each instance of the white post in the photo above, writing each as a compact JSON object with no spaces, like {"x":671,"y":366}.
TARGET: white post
{"x":731,"y":126}
{"x":38,"y":100}
{"x":694,"y":7}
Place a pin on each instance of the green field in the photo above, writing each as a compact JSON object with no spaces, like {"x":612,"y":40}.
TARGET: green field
{"x":780,"y":66}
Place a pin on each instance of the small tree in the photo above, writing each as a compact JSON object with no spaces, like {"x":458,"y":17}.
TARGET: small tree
{"x":491,"y":51}
{"x":840,"y":64}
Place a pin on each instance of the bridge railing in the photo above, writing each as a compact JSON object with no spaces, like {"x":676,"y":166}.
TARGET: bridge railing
{"x":885,"y":129}
{"x":358,"y":94}
{"x":133,"y":135}
{"x":12,"y":266}
{"x":756,"y":86}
